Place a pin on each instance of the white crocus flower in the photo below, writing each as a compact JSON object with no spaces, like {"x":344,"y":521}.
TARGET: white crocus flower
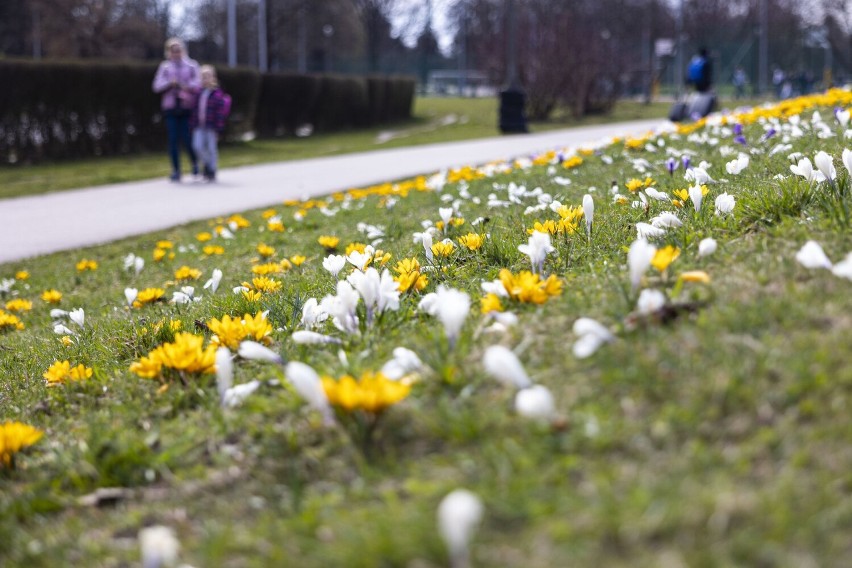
{"x":648,"y":231}
{"x":312,"y":315}
{"x":341,"y":307}
{"x":181,"y":298}
{"x":235,"y":395}
{"x":650,"y":301}
{"x":459,"y":514}
{"x":367,"y":285}
{"x":846,"y":157}
{"x":502,"y":364}
{"x":639,"y":258}
{"x":446,"y":213}
{"x":224,"y":371}
{"x":725,"y":204}
{"x":308,"y":385}
{"x":429,"y":304}
{"x":495,"y":287}
{"x":591,"y":335}
{"x":451,"y":309}
{"x":805,"y":169}
{"x":334,"y":263}
{"x":537,"y":248}
{"x":656,"y":195}
{"x":6,"y":285}
{"x":706,"y":247}
{"x":257,"y":352}
{"x":666,"y":220}
{"x":404,"y":362}
{"x":696,"y":194}
{"x":588,"y":212}
{"x":735,"y":167}
{"x":426,"y":239}
{"x":78,"y":316}
{"x":825,"y":164}
{"x":159,"y":547}
{"x":811,"y":255}
{"x":535,"y":402}
{"x":130,"y":295}
{"x":843,"y":269}
{"x":359,"y":259}
{"x":842,"y":117}
{"x":698,"y":175}
{"x":60,"y":329}
{"x":137,"y":263}
{"x":214,"y":281}
{"x":303,"y":337}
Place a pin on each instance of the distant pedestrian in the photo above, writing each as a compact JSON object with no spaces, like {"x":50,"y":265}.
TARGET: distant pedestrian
{"x":740,"y":80}
{"x":700,"y":71}
{"x":178,"y":80}
{"x":208,"y":121}
{"x":778,"y":78}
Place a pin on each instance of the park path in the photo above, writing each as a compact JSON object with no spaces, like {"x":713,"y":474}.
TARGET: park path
{"x":69,"y":220}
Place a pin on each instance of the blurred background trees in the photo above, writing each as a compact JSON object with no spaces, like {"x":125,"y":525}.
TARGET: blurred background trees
{"x":577,"y":54}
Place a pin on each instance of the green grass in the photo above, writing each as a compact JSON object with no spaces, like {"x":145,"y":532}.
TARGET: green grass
{"x":720,"y":438}
{"x":435,"y":120}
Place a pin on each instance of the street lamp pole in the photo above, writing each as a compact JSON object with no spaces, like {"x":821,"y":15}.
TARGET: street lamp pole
{"x":512,"y":98}
{"x":232,"y":33}
{"x":763,"y":48}
{"x":262,"y":58}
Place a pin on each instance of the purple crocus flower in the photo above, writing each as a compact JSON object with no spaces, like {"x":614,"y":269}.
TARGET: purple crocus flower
{"x":738,"y":129}
{"x":671,"y":165}
{"x":686,"y":162}
{"x":769,"y":134}
{"x":740,"y":139}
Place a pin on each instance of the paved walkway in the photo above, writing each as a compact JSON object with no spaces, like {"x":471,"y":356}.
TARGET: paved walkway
{"x":72,"y":219}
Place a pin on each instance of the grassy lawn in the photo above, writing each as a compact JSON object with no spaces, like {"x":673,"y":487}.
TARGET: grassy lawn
{"x":712,"y":430}
{"x":435,"y":120}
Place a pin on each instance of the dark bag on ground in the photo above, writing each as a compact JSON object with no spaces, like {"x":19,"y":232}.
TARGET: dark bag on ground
{"x":678,"y":111}
{"x":700,"y":105}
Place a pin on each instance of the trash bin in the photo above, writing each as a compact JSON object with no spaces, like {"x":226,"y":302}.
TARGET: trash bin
{"x":512,"y":117}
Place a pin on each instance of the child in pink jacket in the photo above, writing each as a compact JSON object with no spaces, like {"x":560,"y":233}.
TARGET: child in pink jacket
{"x":208,"y":121}
{"x":178,"y":81}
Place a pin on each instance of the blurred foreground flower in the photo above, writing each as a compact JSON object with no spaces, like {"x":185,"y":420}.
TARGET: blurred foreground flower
{"x":362,"y":402}
{"x":372,"y":393}
{"x":146,"y":296}
{"x":309,"y":386}
{"x":61,"y":371}
{"x":185,"y":355}
{"x":14,"y":437}
{"x":51,"y":296}
{"x":451,"y":307}
{"x":707,"y":247}
{"x":10,"y":321}
{"x":529,"y":288}
{"x":459,"y":514}
{"x":537,"y":248}
{"x":639,"y":259}
{"x":812,"y":256}
{"x":591,"y":335}
{"x":159,"y":547}
{"x":214,"y":281}
{"x":502,"y":364}
{"x":229,"y":332}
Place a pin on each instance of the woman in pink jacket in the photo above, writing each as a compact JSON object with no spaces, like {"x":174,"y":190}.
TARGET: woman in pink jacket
{"x":178,"y":80}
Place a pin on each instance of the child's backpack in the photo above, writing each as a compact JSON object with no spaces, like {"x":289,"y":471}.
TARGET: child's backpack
{"x":695,"y":72}
{"x":226,"y":105}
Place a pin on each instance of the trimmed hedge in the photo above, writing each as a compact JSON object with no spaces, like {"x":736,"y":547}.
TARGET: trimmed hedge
{"x":330,"y":102}
{"x":74,"y":109}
